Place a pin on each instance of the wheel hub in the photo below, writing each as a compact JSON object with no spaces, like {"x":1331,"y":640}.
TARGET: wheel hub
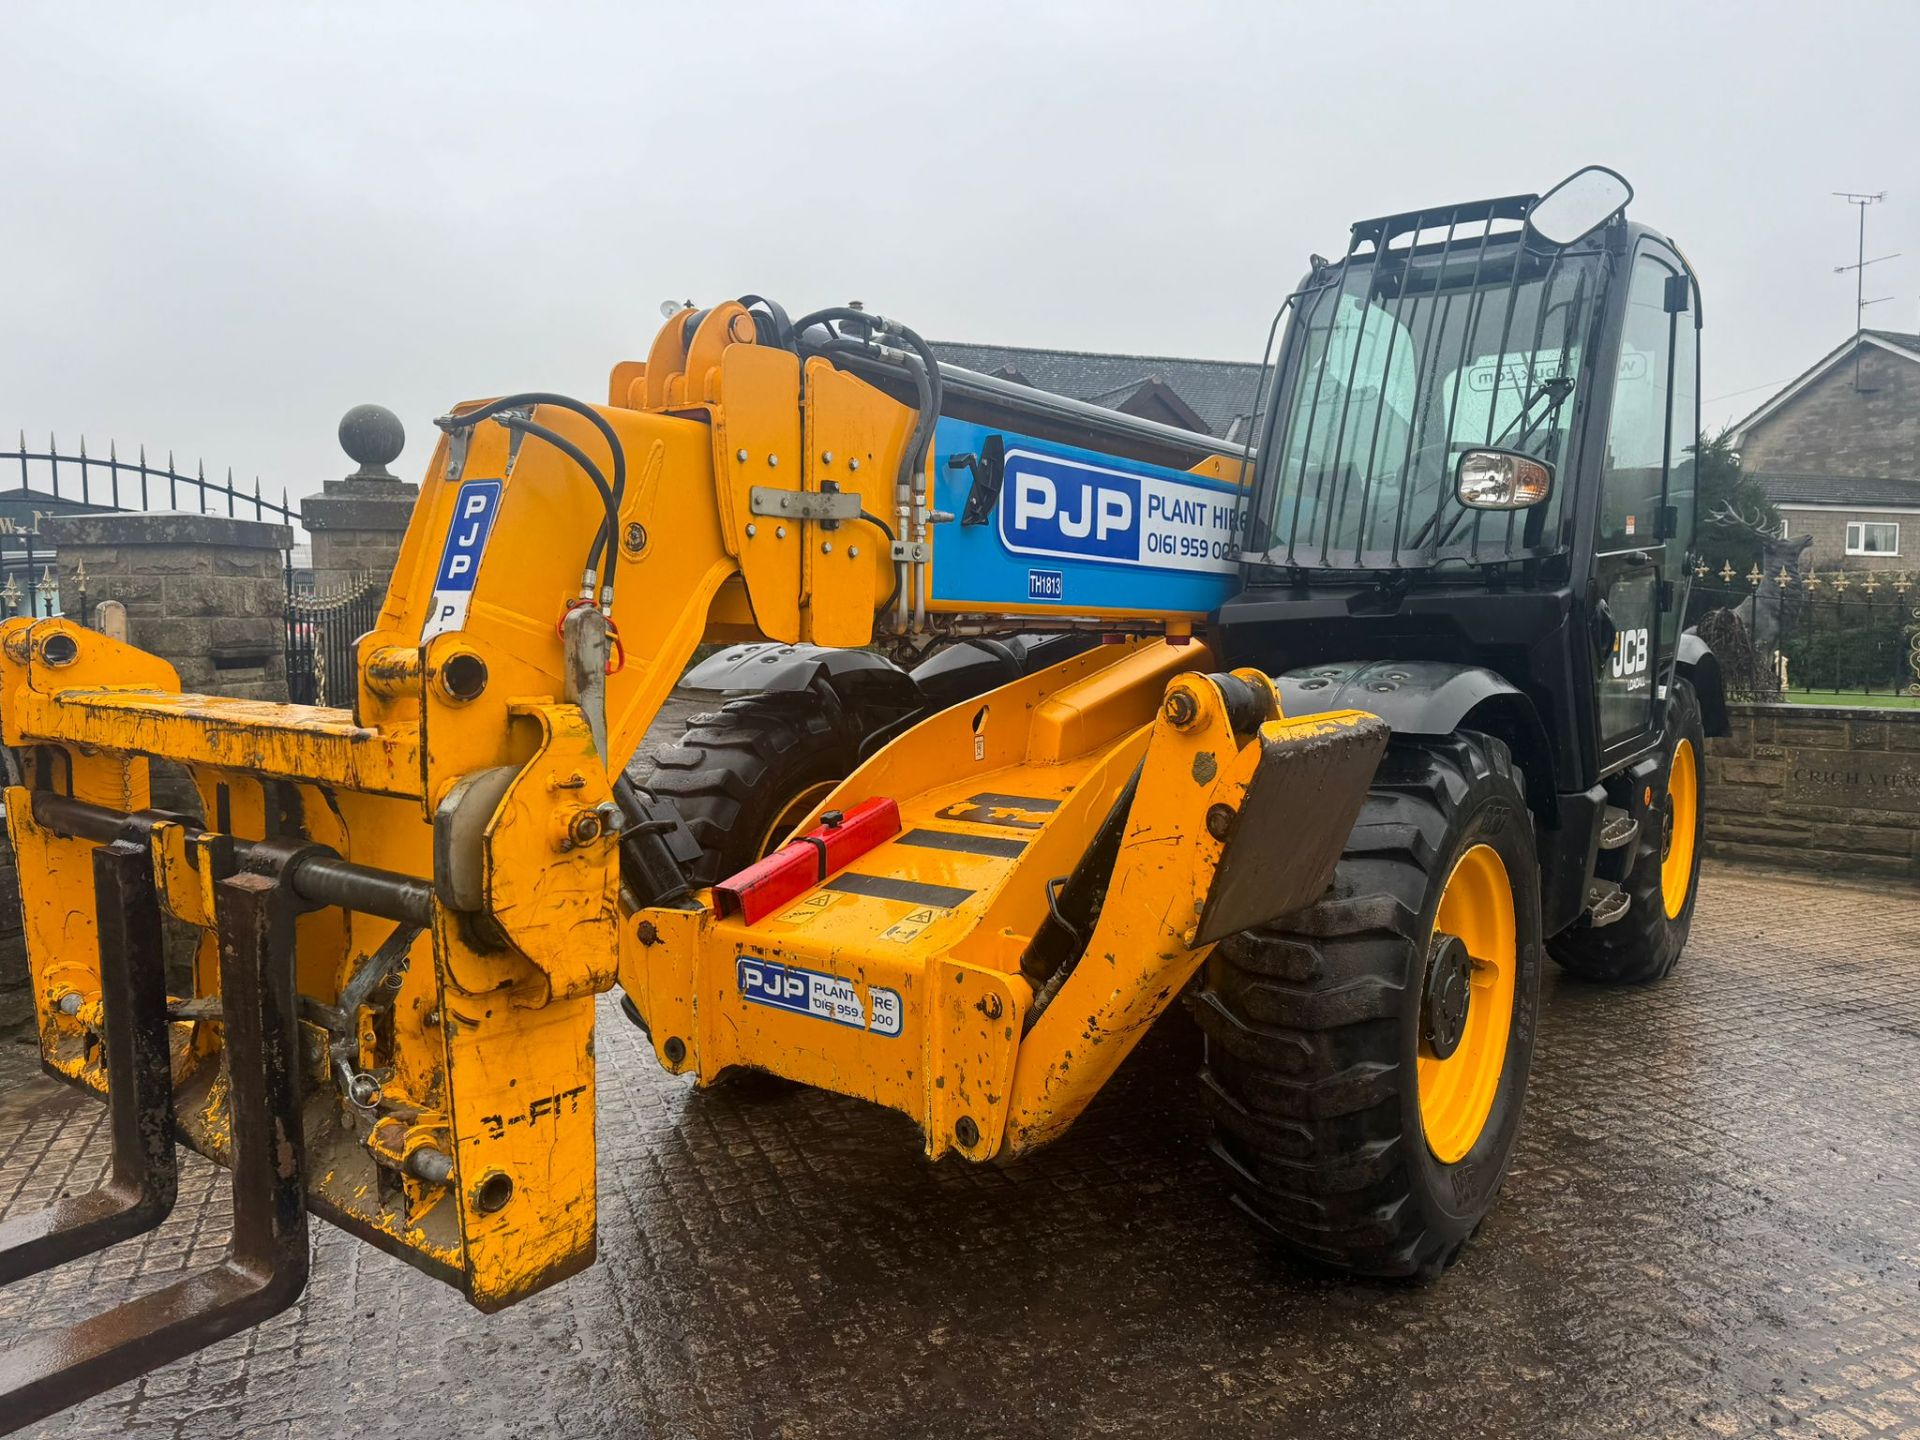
{"x":1447,"y":994}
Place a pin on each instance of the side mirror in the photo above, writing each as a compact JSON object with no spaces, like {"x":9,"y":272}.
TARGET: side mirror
{"x":1579,"y":205}
{"x":1501,"y":480}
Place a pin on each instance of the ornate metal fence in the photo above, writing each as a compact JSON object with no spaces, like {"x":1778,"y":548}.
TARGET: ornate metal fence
{"x":95,"y":482}
{"x":322,"y":630}
{"x":53,"y":481}
{"x":1839,"y":632}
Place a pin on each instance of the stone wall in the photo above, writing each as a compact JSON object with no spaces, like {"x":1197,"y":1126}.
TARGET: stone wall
{"x":1818,"y":788}
{"x":204,"y":592}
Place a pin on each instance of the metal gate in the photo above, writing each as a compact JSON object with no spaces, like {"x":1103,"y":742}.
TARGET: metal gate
{"x":322,"y":630}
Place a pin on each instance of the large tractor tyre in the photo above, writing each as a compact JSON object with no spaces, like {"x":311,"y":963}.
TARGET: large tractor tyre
{"x":1663,"y":876}
{"x":743,"y":776}
{"x":1367,"y":1058}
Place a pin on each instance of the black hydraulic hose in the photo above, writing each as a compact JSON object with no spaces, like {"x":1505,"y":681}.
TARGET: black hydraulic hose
{"x":926,"y":378}
{"x":579,"y":457}
{"x":892,"y":539}
{"x":782,"y":336}
{"x":470,"y":418}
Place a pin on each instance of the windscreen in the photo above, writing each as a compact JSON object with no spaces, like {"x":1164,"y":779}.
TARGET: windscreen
{"x":1394,"y":365}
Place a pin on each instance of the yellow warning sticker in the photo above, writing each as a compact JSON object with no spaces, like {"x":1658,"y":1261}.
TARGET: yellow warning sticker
{"x":909,"y":925}
{"x":808,"y":908}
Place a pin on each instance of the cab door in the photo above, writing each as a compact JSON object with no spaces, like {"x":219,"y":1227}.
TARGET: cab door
{"x":1646,"y":502}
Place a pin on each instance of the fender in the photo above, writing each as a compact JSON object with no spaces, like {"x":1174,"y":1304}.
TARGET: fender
{"x":857,"y":677}
{"x":1432,"y":697}
{"x":1696,"y":664}
{"x":872,"y":698}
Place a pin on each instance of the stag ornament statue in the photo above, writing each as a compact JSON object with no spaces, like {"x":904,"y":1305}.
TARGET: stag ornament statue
{"x":1747,"y":635}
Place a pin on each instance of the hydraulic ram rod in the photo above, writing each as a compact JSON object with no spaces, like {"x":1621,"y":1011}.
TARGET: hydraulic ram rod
{"x":317,"y":876}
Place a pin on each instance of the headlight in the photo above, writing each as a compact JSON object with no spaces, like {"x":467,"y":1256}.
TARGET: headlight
{"x":1501,"y":480}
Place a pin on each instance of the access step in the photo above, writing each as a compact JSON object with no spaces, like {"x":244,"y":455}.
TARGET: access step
{"x":1618,"y":829}
{"x":1606,"y":903}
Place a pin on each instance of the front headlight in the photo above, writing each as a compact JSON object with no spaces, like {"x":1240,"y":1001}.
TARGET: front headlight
{"x":1501,"y":480}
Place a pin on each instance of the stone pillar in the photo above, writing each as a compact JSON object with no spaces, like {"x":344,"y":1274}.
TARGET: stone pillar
{"x":357,"y":523}
{"x":207,"y":593}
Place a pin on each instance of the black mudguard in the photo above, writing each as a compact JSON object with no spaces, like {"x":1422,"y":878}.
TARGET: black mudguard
{"x":1696,"y":664}
{"x":869,"y":697}
{"x":856,"y":676}
{"x":1431,"y":697}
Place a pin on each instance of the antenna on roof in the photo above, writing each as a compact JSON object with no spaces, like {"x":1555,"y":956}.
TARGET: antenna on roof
{"x":1861,"y":200}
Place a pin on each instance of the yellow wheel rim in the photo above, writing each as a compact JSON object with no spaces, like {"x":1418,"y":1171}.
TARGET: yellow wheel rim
{"x":1683,"y":827}
{"x":797,"y":809}
{"x":1456,"y":1094}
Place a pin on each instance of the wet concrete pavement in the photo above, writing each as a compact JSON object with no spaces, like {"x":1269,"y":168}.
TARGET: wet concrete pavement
{"x":1712,"y":1228}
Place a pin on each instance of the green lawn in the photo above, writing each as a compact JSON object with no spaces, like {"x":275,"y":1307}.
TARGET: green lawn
{"x":1854,"y":698}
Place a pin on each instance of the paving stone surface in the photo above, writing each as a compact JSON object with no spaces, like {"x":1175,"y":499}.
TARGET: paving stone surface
{"x":1712,"y":1229}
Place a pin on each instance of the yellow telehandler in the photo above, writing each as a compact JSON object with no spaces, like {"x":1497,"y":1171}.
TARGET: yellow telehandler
{"x":1337,"y":733}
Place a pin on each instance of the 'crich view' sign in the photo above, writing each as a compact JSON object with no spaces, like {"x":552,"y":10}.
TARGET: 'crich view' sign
{"x":1886,"y":781}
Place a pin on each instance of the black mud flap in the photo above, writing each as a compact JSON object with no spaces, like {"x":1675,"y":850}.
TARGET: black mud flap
{"x":1300,"y":807}
{"x":265,"y":1266}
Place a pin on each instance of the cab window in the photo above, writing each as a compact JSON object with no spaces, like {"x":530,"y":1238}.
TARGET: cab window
{"x":1635,"y":464}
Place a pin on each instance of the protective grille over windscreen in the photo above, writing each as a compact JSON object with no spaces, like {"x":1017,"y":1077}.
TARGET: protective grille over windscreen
{"x":1439,"y":332}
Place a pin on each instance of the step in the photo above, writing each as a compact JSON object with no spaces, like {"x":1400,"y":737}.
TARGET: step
{"x":1606,"y":903}
{"x":1618,"y":829}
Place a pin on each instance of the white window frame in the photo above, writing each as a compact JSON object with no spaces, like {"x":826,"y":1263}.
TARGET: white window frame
{"x":1857,"y":537}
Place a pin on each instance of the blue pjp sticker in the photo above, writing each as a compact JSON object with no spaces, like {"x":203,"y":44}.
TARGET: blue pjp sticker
{"x":823,"y":997}
{"x":474,"y":508}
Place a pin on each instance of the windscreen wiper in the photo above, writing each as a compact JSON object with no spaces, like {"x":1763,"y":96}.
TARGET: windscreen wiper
{"x":1558,"y":388}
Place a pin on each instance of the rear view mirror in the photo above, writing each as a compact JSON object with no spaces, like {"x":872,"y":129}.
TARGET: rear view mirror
{"x":1579,"y":205}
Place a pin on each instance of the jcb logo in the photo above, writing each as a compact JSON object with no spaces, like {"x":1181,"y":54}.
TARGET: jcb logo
{"x":1631,"y":653}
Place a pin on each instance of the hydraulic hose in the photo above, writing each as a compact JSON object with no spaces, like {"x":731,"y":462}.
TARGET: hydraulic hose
{"x":924,"y":368}
{"x":609,"y":538}
{"x":579,"y":457}
{"x":886,"y":530}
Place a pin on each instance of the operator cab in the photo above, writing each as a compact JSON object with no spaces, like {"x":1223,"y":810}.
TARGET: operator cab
{"x":1479,"y":448}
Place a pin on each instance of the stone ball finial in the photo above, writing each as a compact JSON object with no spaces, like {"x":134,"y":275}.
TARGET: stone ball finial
{"x":373,"y":437}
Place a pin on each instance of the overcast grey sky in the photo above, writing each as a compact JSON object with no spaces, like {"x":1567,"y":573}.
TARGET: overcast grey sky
{"x":225,"y":225}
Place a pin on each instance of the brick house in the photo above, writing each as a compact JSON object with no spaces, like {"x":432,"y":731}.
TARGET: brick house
{"x":1857,"y":523}
{"x":1838,"y":452}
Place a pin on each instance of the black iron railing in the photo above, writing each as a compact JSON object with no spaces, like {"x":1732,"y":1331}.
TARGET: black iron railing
{"x":323,"y":630}
{"x":1831,"y":633}
{"x":110,"y":483}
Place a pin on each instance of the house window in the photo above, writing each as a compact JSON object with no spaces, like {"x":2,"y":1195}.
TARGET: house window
{"x":1873,"y":537}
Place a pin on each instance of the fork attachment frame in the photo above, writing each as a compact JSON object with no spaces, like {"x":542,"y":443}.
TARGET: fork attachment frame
{"x":265,"y":1265}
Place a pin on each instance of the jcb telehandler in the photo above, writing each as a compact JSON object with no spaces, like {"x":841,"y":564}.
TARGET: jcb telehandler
{"x":1338,"y":733}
